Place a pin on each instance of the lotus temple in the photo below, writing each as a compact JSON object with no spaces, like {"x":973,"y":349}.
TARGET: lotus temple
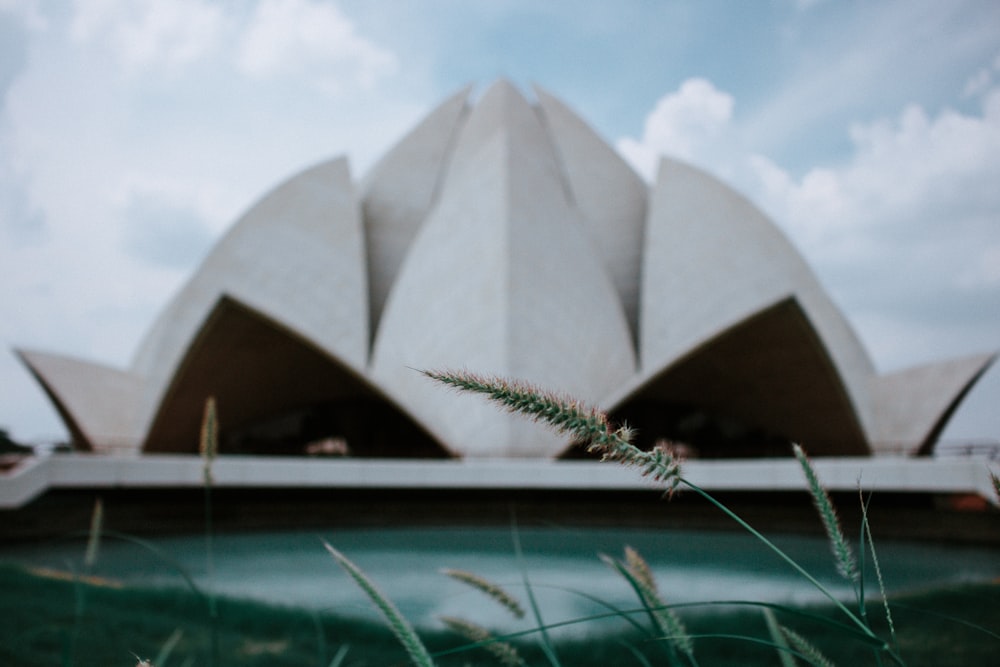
{"x":502,"y":236}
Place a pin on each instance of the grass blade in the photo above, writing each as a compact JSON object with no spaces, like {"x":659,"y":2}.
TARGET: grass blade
{"x":774,"y":629}
{"x":340,"y":656}
{"x":168,"y":647}
{"x":546,"y":641}
{"x":878,"y":574}
{"x":636,"y":653}
{"x":94,"y":535}
{"x":400,"y":627}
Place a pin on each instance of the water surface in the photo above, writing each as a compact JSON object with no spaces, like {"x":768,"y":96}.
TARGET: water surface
{"x":561,"y":564}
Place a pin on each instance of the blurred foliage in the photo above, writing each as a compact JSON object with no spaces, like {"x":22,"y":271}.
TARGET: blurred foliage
{"x":40,"y":616}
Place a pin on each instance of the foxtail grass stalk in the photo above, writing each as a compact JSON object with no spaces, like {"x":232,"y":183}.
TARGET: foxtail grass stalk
{"x":666,"y":623}
{"x":400,"y":627}
{"x":639,"y":568}
{"x":637,"y":571}
{"x":208,"y":446}
{"x":504,"y":652}
{"x":846,"y":563}
{"x":208,"y":443}
{"x":805,"y":648}
{"x":590,"y":426}
{"x":666,"y":618}
{"x":566,"y":415}
{"x":492,"y":590}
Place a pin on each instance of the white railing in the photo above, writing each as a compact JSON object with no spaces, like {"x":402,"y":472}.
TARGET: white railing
{"x":36,"y":475}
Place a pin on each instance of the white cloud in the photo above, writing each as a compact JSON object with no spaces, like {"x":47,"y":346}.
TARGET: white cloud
{"x":902,"y":231}
{"x":149,"y":33}
{"x":905,"y":232}
{"x":273,"y":39}
{"x":909,"y":178}
{"x":859,"y":60}
{"x":299,"y":36}
{"x":247,"y":102}
{"x":693,"y":123}
{"x":112,"y":186}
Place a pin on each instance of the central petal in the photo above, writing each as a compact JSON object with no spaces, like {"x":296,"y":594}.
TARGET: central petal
{"x":503,"y":278}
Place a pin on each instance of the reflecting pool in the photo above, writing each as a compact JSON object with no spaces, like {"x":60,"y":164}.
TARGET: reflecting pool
{"x":562,"y":566}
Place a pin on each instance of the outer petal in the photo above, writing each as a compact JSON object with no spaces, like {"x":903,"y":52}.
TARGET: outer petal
{"x":275,"y":390}
{"x":712,"y":260}
{"x":502,"y":279}
{"x":297,"y":256}
{"x":98,"y":404}
{"x":768,"y":376}
{"x":913,"y":405}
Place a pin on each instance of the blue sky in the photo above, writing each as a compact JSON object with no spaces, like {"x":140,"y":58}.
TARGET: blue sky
{"x":134,"y":132}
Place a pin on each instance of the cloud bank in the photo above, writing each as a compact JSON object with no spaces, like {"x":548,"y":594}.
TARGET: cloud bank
{"x":896,"y":230}
{"x":133,"y":132}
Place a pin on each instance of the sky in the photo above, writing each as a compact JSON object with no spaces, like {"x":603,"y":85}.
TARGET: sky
{"x":134,"y":132}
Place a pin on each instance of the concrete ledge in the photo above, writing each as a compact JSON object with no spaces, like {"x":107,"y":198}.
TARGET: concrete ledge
{"x":899,"y":475}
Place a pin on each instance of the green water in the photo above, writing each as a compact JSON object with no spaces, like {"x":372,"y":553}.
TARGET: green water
{"x":562,"y":566}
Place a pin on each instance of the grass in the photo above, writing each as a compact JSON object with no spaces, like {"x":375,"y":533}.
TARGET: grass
{"x":39,"y":619}
{"x":37,"y":613}
{"x":77,"y":619}
{"x":590,"y":427}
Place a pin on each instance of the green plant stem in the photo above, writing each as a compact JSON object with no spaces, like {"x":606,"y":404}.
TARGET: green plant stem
{"x":213,"y":611}
{"x":546,"y":643}
{"x":774,"y":629}
{"x":795,"y":566}
{"x":208,"y":447}
{"x":867,"y":537}
{"x":781,"y":554}
{"x":591,"y":426}
{"x":79,"y":593}
{"x":762,"y":642}
{"x":162,"y":555}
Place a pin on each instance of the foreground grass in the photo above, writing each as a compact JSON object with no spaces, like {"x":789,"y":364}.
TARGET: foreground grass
{"x":42,"y":626}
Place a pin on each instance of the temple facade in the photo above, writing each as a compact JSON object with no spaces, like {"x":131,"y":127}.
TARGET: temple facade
{"x":504,"y":237}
